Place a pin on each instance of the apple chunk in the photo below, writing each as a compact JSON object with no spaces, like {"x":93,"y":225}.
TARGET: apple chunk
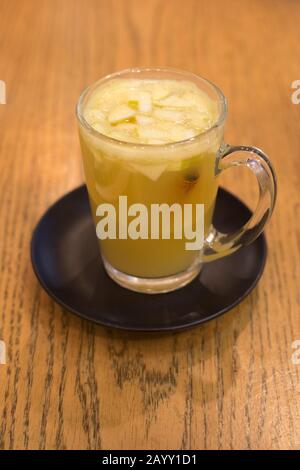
{"x":145,"y":102}
{"x":120,"y":113}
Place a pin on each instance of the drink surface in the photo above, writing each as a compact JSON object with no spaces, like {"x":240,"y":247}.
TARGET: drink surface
{"x":152,"y":112}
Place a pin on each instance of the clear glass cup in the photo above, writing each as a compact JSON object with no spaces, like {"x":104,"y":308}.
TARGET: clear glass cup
{"x":184,"y":172}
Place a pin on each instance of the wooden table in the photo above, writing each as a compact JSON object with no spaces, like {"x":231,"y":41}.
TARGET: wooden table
{"x":69,"y":384}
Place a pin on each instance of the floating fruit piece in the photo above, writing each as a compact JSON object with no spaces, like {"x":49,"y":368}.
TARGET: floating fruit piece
{"x":190,"y":181}
{"x":145,"y":102}
{"x":120,"y":113}
{"x":153,"y":172}
{"x":191,"y":176}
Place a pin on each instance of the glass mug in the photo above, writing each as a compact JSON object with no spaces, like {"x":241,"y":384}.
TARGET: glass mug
{"x":184,"y":172}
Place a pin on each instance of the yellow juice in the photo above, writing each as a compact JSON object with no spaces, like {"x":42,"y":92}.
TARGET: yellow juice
{"x":149,"y":152}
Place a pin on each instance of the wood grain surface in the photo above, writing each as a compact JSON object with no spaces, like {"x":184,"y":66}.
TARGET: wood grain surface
{"x":68,"y":384}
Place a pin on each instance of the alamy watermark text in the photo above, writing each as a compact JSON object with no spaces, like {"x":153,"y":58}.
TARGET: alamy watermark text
{"x":296,"y":354}
{"x":2,"y":92}
{"x":166,"y":221}
{"x":295,"y":97}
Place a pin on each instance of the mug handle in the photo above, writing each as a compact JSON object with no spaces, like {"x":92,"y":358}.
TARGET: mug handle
{"x":219,"y":244}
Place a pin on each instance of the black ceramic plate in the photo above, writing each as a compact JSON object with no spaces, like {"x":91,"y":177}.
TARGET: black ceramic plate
{"x":67,"y":262}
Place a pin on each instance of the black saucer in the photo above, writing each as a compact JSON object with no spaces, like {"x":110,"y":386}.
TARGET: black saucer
{"x":66,"y":260}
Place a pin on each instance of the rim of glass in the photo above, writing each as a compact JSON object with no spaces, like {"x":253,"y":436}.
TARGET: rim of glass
{"x":219,"y":121}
